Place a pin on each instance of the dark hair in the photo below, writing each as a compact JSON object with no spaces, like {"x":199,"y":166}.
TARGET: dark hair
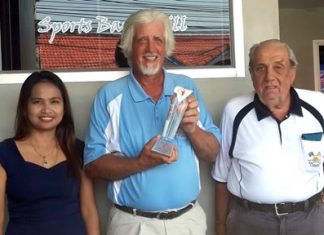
{"x":65,"y":132}
{"x":120,"y":59}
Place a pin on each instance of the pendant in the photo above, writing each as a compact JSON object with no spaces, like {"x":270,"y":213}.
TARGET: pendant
{"x":44,"y":161}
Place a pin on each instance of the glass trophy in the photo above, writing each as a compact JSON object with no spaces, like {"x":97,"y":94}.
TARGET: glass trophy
{"x":176,"y":111}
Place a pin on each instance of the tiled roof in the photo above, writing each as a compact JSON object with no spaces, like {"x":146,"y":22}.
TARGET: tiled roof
{"x":98,"y":52}
{"x":70,"y":51}
{"x":200,"y":50}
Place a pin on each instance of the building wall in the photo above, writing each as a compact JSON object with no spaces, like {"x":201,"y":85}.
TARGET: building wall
{"x":261,"y":21}
{"x":299,"y":27}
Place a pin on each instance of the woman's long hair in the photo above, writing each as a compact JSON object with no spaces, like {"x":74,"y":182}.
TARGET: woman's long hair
{"x":65,"y":132}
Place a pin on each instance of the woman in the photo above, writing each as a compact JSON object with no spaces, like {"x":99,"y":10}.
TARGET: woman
{"x":40,"y":169}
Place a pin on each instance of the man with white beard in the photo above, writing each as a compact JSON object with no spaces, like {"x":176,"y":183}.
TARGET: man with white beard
{"x":152,"y":193}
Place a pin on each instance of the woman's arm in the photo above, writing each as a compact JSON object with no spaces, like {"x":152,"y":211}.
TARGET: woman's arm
{"x":3,"y":180}
{"x":88,"y":206}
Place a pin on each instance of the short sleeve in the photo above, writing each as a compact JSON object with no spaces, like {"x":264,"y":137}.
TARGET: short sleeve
{"x":205,"y":119}
{"x":95,"y":141}
{"x":7,"y":148}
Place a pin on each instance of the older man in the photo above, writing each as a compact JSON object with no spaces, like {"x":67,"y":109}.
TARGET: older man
{"x":152,"y":193}
{"x":270,"y":168}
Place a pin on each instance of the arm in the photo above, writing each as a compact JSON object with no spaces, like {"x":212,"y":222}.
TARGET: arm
{"x":100,"y":162}
{"x":3,"y":179}
{"x":112,"y":167}
{"x":204,"y":143}
{"x":222,"y":198}
{"x":88,"y":206}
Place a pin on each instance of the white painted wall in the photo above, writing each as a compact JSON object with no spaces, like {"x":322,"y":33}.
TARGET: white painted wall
{"x":261,"y":21}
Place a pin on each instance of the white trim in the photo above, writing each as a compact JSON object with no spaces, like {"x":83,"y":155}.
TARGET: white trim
{"x":239,"y":70}
{"x":13,"y":77}
{"x":80,"y":76}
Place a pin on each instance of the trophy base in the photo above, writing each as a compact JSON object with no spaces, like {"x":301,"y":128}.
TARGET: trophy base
{"x":163,"y":146}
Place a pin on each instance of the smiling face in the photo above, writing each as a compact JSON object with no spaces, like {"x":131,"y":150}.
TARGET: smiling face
{"x":148,"y":49}
{"x":273,"y":75}
{"x":45,"y":107}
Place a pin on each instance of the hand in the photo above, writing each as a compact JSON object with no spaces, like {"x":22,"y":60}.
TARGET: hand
{"x":191,"y":116}
{"x":149,"y":158}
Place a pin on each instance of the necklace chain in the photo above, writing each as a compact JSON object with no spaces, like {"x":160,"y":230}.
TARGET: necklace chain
{"x":44,"y":156}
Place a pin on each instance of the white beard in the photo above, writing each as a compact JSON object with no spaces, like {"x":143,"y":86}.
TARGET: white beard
{"x":150,"y":70}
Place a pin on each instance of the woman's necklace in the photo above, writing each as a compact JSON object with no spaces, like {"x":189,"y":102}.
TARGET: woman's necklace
{"x":45,"y":156}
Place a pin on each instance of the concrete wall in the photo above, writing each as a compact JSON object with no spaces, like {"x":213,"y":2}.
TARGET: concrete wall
{"x":260,"y":21}
{"x":299,"y":27}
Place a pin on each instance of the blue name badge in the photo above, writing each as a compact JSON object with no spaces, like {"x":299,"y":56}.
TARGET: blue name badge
{"x":317,"y":136}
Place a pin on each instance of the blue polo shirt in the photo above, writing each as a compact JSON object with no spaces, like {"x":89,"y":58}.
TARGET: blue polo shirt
{"x":123,"y":119}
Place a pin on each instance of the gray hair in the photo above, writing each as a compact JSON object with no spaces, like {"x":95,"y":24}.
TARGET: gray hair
{"x":143,"y":17}
{"x":292,"y":58}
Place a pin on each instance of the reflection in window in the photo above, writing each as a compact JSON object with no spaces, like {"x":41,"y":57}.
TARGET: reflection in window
{"x":79,"y":34}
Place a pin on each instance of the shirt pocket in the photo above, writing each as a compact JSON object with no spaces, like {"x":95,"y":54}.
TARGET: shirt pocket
{"x":313,"y":150}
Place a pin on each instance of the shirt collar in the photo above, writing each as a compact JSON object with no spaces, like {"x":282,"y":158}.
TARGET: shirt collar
{"x":139,"y":94}
{"x":262,"y":111}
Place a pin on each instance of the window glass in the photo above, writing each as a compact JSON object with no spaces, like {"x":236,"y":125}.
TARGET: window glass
{"x":78,"y":35}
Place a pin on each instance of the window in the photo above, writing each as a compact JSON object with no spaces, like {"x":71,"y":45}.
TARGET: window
{"x":82,"y":36}
{"x":318,"y":54}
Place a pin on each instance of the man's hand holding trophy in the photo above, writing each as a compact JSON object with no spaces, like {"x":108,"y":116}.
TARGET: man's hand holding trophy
{"x":177,"y":109}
